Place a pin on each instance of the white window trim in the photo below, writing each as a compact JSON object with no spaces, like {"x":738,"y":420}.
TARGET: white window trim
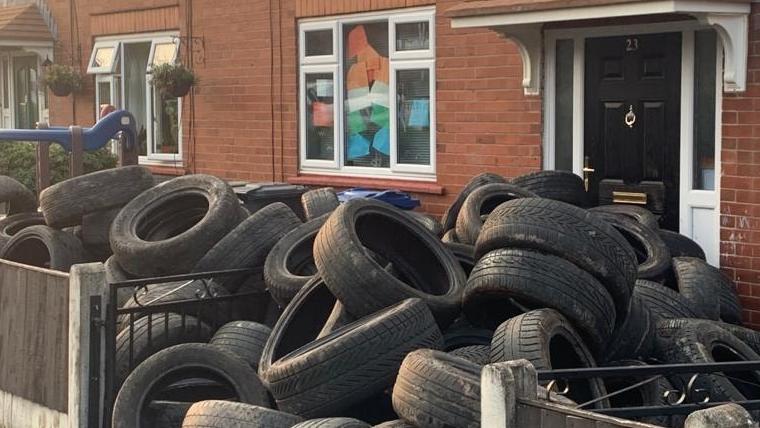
{"x":167,"y":159}
{"x":115,"y":45}
{"x":421,"y":59}
{"x":318,"y":59}
{"x":408,"y":19}
{"x":689,"y":198}
{"x":412,"y":168}
{"x":161,"y":41}
{"x":101,"y":78}
{"x":318,"y":163}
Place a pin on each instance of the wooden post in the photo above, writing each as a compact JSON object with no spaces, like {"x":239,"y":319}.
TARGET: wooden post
{"x":88,"y":297}
{"x":43,"y":162}
{"x":127,"y":155}
{"x":76,"y":157}
{"x":501,"y":385}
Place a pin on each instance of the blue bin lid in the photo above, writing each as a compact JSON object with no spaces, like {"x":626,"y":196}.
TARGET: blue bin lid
{"x":394,"y":197}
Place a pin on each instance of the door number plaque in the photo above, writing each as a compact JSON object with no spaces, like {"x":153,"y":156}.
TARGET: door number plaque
{"x":631,"y":44}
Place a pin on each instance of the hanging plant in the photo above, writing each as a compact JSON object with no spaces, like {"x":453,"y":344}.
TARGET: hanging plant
{"x":62,"y":79}
{"x":173,"y":80}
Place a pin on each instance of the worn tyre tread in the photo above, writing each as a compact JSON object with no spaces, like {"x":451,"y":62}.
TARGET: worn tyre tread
{"x":246,"y":339}
{"x":484,"y":198}
{"x":319,"y":202}
{"x":228,"y":414}
{"x":665,"y":303}
{"x":565,"y":231}
{"x":535,"y":280}
{"x":63,"y":204}
{"x":437,"y":390}
{"x":353,"y":363}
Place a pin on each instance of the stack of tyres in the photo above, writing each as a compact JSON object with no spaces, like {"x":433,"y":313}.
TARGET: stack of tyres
{"x":372,"y":312}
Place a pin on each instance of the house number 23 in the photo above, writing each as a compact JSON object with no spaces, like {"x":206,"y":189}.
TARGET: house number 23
{"x":631,"y":44}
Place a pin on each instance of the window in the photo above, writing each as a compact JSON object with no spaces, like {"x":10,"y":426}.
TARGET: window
{"x":103,"y":59}
{"x":367,"y":94}
{"x":128,"y":87}
{"x":705,"y":75}
{"x":163,"y":52}
{"x":563,"y":107}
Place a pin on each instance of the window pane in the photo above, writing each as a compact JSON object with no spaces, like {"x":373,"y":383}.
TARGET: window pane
{"x":165,"y":125}
{"x":103,"y":57}
{"x":412,"y":36}
{"x":135,"y":63}
{"x":366,"y":94}
{"x":704,"y":109}
{"x":320,"y":116}
{"x":104,"y":93}
{"x":116,"y":95}
{"x":563,"y":115}
{"x":163,"y":53}
{"x":413,"y":121}
{"x":319,"y":42}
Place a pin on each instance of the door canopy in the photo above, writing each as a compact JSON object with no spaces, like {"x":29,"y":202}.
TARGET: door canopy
{"x":522,"y":21}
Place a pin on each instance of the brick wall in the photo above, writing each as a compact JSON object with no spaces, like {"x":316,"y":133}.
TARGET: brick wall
{"x":245,"y":125}
{"x":740,"y":182}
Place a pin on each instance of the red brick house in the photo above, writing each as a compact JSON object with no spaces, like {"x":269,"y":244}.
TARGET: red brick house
{"x":421,"y":94}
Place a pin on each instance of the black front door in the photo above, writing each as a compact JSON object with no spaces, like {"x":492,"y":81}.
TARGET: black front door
{"x":632,"y":121}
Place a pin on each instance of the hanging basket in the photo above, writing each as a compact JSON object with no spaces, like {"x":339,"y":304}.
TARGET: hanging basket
{"x":176,"y":89}
{"x":61,"y":89}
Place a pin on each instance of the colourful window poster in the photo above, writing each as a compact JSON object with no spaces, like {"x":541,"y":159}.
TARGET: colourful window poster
{"x":322,"y":114}
{"x":419,"y":114}
{"x":382,"y":141}
{"x":358,"y":146}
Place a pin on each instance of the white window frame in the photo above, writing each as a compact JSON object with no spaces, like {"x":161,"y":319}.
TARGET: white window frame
{"x":689,"y":198}
{"x":318,"y":163}
{"x":115,"y":45}
{"x":104,"y":78}
{"x":411,"y":19}
{"x":318,"y":26}
{"x":412,"y":65}
{"x":418,"y":59}
{"x":153,"y":38}
{"x":162,"y":41}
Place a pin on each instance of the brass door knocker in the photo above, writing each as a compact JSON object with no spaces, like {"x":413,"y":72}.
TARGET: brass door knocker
{"x":630,"y":117}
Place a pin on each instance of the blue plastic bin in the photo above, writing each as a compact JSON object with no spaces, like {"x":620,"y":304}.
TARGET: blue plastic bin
{"x":396,"y":198}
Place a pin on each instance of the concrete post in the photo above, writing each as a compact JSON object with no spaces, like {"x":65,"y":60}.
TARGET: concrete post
{"x":501,"y":385}
{"x":85,"y":282}
{"x":725,"y":416}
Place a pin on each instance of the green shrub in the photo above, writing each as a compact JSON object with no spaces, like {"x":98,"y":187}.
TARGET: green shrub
{"x":19,"y":160}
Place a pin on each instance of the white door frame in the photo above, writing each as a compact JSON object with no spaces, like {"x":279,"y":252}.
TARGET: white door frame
{"x":707,"y":232}
{"x":6,"y":85}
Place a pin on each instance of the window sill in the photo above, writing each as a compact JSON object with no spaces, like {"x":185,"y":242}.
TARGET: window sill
{"x":165,"y":168}
{"x":426,"y":187}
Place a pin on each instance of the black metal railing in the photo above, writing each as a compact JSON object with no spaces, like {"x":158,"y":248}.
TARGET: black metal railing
{"x":198,"y":313}
{"x":688,"y":395}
